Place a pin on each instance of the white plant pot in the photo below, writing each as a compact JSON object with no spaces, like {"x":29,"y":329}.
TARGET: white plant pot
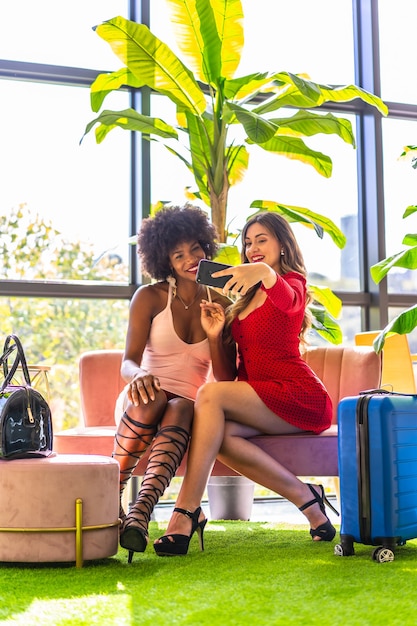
{"x":230,"y":497}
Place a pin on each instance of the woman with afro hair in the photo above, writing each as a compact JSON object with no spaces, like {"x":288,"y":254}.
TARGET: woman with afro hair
{"x":170,"y":352}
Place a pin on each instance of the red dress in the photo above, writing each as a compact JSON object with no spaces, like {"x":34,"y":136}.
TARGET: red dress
{"x":269,"y":357}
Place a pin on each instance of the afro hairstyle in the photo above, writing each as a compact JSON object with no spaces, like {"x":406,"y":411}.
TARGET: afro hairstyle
{"x":160,"y":235}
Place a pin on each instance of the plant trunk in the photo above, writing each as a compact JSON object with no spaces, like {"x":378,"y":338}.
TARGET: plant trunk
{"x":218,"y":207}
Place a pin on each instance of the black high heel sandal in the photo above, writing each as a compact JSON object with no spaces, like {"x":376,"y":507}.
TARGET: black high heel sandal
{"x":325,"y":531}
{"x":172,"y":545}
{"x":134,"y":539}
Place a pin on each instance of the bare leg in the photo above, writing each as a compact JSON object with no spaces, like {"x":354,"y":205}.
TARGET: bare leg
{"x":238,"y":402}
{"x":246,"y":458}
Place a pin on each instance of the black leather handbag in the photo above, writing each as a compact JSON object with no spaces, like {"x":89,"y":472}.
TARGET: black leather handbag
{"x":25,"y":416}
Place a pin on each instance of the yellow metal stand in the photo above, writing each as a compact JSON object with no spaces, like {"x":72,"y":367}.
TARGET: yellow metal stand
{"x":78,"y":529}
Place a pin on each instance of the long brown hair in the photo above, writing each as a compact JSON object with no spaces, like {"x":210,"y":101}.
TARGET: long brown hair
{"x":291,"y":261}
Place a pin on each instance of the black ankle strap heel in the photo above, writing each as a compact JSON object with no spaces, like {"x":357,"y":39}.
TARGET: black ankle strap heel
{"x":177,"y":544}
{"x":326,"y":531}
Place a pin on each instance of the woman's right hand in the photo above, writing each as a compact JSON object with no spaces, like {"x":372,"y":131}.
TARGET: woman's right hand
{"x":245,"y":276}
{"x":142,"y":388}
{"x":212,"y":318}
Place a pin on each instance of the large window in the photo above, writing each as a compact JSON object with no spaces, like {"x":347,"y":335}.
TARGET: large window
{"x":82,"y":191}
{"x":46,"y":31}
{"x":397,"y":50}
{"x":73,"y":208}
{"x":400,"y":191}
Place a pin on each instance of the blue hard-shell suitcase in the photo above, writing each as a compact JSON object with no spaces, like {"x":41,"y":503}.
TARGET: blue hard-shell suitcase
{"x":378,"y":472}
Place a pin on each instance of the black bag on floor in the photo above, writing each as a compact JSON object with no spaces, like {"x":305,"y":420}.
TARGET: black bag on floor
{"x":25,"y":416}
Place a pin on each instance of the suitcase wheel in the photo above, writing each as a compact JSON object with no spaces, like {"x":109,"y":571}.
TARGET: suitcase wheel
{"x":343,"y":550}
{"x":382,"y":555}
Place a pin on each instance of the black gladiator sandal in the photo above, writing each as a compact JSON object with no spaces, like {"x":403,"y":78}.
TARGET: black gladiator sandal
{"x":325,"y":531}
{"x":131,"y":441}
{"x":167,"y":451}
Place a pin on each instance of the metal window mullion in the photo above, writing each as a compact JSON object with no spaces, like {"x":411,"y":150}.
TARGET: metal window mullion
{"x":140,"y":166}
{"x":371,"y":209}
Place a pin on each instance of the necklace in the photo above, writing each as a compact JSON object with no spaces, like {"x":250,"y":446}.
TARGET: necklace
{"x":187,"y":306}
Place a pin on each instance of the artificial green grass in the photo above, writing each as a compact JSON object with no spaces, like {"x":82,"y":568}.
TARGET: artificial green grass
{"x":250,"y":574}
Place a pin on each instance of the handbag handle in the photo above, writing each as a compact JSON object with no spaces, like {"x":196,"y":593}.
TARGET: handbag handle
{"x":19,"y":358}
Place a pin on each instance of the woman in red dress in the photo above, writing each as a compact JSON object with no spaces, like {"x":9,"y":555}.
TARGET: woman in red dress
{"x":275,"y":391}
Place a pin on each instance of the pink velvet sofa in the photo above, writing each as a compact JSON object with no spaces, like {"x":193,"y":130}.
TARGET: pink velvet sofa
{"x":345,"y":371}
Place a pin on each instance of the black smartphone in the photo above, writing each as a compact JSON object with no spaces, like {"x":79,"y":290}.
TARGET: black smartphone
{"x":205,"y":270}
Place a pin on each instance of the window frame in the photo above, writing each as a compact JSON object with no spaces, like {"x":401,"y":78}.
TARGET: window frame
{"x":374,"y":300}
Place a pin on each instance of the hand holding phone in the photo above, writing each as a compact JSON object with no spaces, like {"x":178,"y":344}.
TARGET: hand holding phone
{"x":205,"y":270}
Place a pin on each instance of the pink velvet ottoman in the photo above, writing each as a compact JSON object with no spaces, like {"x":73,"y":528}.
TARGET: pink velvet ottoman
{"x":61,"y":508}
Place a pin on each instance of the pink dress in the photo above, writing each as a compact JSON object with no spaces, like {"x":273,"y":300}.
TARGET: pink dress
{"x":269,"y":357}
{"x":181,"y":367}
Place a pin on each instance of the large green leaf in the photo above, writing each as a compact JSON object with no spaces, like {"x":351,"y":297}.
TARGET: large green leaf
{"x":229,"y":19}
{"x":220,"y":181}
{"x":302,"y":83}
{"x":318,"y":222}
{"x":292,"y":214}
{"x":410,"y":210}
{"x":406,"y":259}
{"x":258,"y":129}
{"x":129,"y":119}
{"x":403,"y":324}
{"x":210,"y":35}
{"x":410,"y":239}
{"x":237,"y":163}
{"x":201,"y":151}
{"x":245,"y":86}
{"x":328,"y":299}
{"x":289,"y":99}
{"x":284,"y":83}
{"x":294,"y":90}
{"x":325,"y":325}
{"x":152,"y":62}
{"x":197,"y":37}
{"x":295,"y":148}
{"x":208,"y":153}
{"x":228,"y":254}
{"x":105,"y":83}
{"x":343,"y":93}
{"x":307,"y":123}
{"x":200,"y":137}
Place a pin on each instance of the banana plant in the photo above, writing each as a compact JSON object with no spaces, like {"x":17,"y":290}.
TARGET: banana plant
{"x":211,"y":100}
{"x":406,"y":321}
